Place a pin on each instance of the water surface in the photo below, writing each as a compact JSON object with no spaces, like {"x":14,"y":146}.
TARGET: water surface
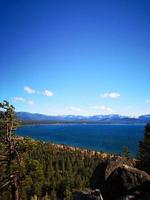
{"x":108,"y":138}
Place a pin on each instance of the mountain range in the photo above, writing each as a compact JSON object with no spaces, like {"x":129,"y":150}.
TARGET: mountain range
{"x":106,"y":119}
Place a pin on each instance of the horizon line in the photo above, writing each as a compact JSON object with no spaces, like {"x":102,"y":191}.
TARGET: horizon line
{"x":130,"y":116}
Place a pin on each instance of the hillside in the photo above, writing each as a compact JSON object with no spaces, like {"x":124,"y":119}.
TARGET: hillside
{"x":27,"y":117}
{"x":59,"y":172}
{"x":53,"y":171}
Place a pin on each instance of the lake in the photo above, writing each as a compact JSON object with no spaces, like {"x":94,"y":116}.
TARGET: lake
{"x":107,"y":138}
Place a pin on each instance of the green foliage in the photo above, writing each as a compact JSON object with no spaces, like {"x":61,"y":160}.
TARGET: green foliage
{"x":144,"y":150}
{"x":67,"y":194}
{"x":9,"y":152}
{"x":8,"y":120}
{"x":53,"y":195}
{"x":34,"y":171}
{"x":126,"y":152}
{"x":52,"y":172}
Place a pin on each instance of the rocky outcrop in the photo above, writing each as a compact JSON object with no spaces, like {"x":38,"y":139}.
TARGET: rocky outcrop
{"x":98,"y":178}
{"x":126,"y":180}
{"x":116,"y":162}
{"x":104,"y":169}
{"x":90,"y":195}
{"x":118,"y":179}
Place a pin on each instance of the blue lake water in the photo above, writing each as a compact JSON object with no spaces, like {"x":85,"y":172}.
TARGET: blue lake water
{"x":108,"y":138}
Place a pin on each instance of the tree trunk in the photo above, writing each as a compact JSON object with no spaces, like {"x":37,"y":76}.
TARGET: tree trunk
{"x":14,"y":193}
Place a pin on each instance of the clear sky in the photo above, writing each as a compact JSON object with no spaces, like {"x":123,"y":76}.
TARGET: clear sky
{"x":76,"y":56}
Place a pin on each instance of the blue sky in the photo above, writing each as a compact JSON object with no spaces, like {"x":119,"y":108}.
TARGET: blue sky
{"x":76,"y":56}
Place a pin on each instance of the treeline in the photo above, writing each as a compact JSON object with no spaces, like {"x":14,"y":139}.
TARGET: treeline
{"x":30,"y":122}
{"x":36,"y":122}
{"x":144,"y":151}
{"x":50,"y":172}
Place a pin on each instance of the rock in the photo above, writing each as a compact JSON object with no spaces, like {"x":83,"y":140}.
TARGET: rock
{"x":104,"y":169}
{"x":127,"y":197}
{"x":116,"y":162}
{"x":98,"y":178}
{"x":88,"y":195}
{"x":125,"y":180}
{"x":146,"y":196}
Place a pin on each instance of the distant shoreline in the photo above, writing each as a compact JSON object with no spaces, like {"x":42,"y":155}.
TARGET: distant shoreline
{"x":74,"y":123}
{"x":82,"y":150}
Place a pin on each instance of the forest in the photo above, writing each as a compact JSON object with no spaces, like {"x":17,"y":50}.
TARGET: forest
{"x":50,"y":172}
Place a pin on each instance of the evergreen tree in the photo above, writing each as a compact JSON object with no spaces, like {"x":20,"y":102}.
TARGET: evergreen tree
{"x":35,"y":172}
{"x":144,"y":150}
{"x":53,"y":195}
{"x":126,"y":152}
{"x":11,"y":157}
{"x":67,"y":194}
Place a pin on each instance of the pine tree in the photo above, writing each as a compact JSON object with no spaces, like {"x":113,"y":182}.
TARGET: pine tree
{"x":144,"y":150}
{"x":126,"y":152}
{"x":35,"y":172}
{"x":11,"y":157}
{"x":67,"y":194}
{"x":53,"y":195}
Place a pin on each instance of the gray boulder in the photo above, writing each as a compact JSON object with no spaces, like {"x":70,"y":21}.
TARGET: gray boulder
{"x":104,"y":169}
{"x":126,"y":180}
{"x":88,"y":195}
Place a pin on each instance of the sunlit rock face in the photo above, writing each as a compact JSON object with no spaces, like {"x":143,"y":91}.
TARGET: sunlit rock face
{"x":104,"y":169}
{"x":118,"y":179}
{"x":126,"y":180}
{"x":88,"y":195}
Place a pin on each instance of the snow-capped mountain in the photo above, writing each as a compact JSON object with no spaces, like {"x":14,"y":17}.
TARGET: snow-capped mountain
{"x":113,"y":118}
